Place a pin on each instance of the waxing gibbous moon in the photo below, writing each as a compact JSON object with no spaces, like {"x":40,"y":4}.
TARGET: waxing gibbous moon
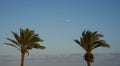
{"x":68,"y":20}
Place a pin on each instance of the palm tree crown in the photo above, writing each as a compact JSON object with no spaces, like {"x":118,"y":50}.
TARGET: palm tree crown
{"x":89,"y":41}
{"x":26,"y":40}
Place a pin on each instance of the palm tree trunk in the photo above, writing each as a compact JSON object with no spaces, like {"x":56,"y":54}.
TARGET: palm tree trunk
{"x":88,"y":63}
{"x":22,"y":58}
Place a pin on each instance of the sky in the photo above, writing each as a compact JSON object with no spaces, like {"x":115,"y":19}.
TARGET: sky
{"x":58,"y":22}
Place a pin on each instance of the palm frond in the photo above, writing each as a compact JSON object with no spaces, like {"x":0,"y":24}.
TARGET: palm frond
{"x":13,"y":41}
{"x":35,"y":38}
{"x":37,"y":46}
{"x":17,"y":37}
{"x":42,"y":47}
{"x":11,"y":45}
{"x":80,"y":44}
{"x":77,"y":41}
{"x":100,"y":43}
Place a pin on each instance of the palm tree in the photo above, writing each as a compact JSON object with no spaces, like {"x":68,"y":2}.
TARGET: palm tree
{"x":89,"y":41}
{"x":25,"y":41}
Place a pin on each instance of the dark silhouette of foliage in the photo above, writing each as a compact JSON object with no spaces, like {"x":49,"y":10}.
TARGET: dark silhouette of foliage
{"x":89,"y":41}
{"x":25,"y":41}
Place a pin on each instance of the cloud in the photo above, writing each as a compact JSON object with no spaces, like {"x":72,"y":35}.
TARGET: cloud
{"x":62,"y":60}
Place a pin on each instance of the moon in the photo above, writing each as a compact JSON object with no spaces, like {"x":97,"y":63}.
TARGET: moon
{"x":68,"y":20}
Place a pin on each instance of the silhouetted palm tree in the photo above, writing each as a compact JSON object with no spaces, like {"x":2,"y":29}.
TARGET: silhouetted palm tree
{"x":25,"y":41}
{"x":89,"y":41}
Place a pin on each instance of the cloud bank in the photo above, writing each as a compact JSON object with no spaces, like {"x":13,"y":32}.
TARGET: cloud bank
{"x":62,"y":60}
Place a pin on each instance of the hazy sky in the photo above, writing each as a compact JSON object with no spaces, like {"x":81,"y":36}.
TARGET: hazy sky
{"x":62,"y":60}
{"x":58,"y":22}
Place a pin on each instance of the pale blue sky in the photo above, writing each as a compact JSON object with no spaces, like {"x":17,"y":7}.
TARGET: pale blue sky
{"x":59,"y":22}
